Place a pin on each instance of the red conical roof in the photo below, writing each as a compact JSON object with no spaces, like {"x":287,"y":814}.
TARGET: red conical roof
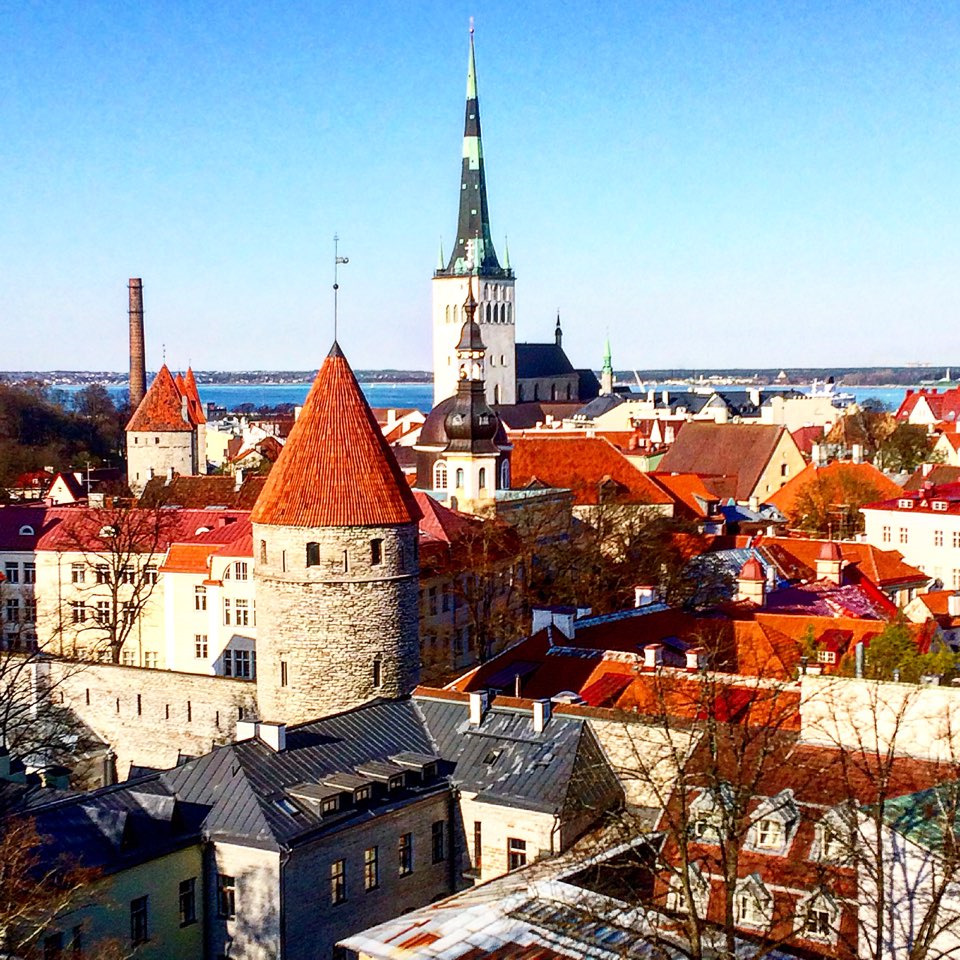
{"x":336,"y":469}
{"x":161,"y":409}
{"x":193,"y":397}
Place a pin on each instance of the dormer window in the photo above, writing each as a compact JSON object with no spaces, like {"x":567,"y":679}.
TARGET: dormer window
{"x":769,"y":833}
{"x":774,"y":822}
{"x":329,"y":805}
{"x":940,"y":505}
{"x":818,"y":916}
{"x":905,"y":503}
{"x":26,"y":530}
{"x":395,"y":783}
{"x":361,"y":795}
{"x":754,"y":904}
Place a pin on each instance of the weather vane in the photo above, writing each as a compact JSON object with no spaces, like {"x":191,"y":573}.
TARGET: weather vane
{"x":337,"y":260}
{"x":471,"y":26}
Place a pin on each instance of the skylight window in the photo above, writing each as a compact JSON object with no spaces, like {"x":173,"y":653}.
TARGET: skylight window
{"x":492,"y":757}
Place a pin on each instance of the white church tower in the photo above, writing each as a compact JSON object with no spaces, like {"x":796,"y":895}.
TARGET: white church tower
{"x":494,"y":284}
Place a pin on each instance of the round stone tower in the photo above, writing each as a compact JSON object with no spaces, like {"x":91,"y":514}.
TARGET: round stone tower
{"x":335,"y":535}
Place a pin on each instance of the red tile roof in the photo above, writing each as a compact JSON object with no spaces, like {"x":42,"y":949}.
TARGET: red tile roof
{"x":943,"y":406}
{"x":193,"y":397}
{"x":582,"y":464}
{"x":742,"y":450}
{"x":797,"y":559}
{"x":336,"y":468}
{"x":689,"y":492}
{"x":161,"y":409}
{"x":832,"y":481}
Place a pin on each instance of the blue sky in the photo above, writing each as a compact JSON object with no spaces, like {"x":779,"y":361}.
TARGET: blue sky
{"x":766,"y":184}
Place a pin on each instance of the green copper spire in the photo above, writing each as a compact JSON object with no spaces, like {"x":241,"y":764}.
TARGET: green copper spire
{"x":440,"y":256}
{"x":473,"y":221}
{"x":607,"y":358}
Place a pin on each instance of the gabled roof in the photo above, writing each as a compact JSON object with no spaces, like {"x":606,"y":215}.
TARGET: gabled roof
{"x":592,"y":467}
{"x":732,"y":449}
{"x":937,"y":474}
{"x":161,"y":409}
{"x":197,"y":492}
{"x":688,"y":491}
{"x":336,"y":469}
{"x":540,"y":360}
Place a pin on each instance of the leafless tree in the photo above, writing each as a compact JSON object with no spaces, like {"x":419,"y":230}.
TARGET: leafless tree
{"x":108,"y":568}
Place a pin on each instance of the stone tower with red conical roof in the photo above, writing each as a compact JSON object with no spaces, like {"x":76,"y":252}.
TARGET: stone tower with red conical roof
{"x":335,"y":542}
{"x":167,"y":431}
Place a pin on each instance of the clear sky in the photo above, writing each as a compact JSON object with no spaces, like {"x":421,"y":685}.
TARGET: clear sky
{"x":723,"y":183}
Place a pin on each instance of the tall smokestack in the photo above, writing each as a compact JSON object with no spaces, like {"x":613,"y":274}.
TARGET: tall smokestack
{"x":138,"y":359}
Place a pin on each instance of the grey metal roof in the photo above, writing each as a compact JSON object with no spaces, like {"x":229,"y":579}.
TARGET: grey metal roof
{"x":536,"y":360}
{"x":242,"y":791}
{"x":504,"y":760}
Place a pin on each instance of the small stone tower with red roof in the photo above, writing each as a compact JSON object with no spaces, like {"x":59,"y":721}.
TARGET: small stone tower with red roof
{"x":335,"y":537}
{"x":167,"y":431}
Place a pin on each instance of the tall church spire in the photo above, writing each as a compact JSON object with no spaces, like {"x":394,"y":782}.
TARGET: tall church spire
{"x":473,"y":222}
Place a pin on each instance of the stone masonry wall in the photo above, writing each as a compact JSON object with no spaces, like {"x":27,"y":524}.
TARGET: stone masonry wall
{"x":176,"y":449}
{"x":322,"y":627}
{"x":150,"y":717}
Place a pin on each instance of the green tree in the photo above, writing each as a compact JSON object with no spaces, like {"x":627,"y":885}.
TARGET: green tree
{"x":905,"y":449}
{"x":893,"y":654}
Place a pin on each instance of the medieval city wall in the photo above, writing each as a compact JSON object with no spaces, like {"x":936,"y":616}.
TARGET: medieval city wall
{"x":151,"y":717}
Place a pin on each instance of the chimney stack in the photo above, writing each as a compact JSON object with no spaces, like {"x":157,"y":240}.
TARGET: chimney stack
{"x":138,"y":358}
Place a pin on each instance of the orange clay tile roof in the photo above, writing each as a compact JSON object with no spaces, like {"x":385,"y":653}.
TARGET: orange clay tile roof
{"x":797,"y":558}
{"x":193,"y":397}
{"x":581,"y":464}
{"x":188,"y":558}
{"x":688,"y":490}
{"x":161,"y":409}
{"x":336,"y":469}
{"x":833,"y":477}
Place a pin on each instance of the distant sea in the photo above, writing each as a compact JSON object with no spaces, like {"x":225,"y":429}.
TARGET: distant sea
{"x":416,"y":395}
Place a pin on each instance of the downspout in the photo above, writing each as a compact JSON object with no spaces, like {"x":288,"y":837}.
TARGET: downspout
{"x":453,"y":858}
{"x":284,"y":859}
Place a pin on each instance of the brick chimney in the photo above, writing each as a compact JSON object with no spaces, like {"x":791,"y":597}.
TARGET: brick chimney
{"x":138,"y":359}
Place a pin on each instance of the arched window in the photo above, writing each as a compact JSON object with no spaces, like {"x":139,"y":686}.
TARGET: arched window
{"x":536,"y":391}
{"x":504,"y":474}
{"x":482,"y":478}
{"x":26,"y":530}
{"x":456,"y":313}
{"x":569,"y":391}
{"x":440,"y":475}
{"x":448,"y":313}
{"x":313,"y":554}
{"x":496,"y":394}
{"x":503,"y":360}
{"x":503,"y":313}
{"x":459,"y":476}
{"x":553,"y":391}
{"x":376,"y":552}
{"x":488,"y":313}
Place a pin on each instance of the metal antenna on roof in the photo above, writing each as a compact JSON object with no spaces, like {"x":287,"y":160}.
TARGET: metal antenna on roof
{"x":337,"y":260}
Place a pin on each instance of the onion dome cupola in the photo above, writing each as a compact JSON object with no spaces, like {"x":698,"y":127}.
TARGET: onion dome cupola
{"x":470,"y":424}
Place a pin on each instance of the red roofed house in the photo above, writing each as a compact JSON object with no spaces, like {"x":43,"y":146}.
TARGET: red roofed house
{"x":927,"y":408}
{"x":595,"y":471}
{"x":167,"y":432}
{"x":924,"y":525}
